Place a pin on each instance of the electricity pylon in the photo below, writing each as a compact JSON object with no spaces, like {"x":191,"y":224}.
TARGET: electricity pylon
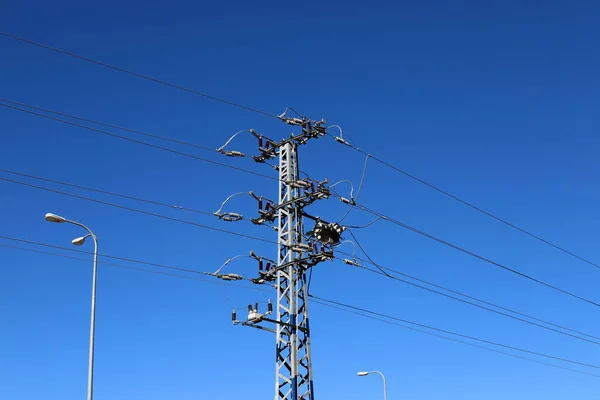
{"x":297,"y":253}
{"x":293,"y":355}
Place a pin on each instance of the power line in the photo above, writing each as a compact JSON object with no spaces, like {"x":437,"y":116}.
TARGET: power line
{"x":455,"y":333}
{"x":383,"y":272}
{"x":165,"y":138}
{"x":258,"y":289}
{"x":137,"y":210}
{"x":478,"y":256}
{"x":271,"y":115}
{"x":132,"y":260}
{"x":382,"y":269}
{"x":352,"y":197}
{"x":138,"y":141}
{"x":197,"y":146}
{"x":32,"y":242}
{"x":472,"y":206}
{"x":171,"y":206}
{"x":129,"y":267}
{"x":146,"y":77}
{"x":452,"y":339}
{"x":448,"y":296}
{"x":320,"y":301}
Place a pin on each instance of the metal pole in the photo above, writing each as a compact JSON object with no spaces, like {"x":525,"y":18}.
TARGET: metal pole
{"x":384,"y":384}
{"x":90,"y":388}
{"x":92,"y":323}
{"x":79,"y":241}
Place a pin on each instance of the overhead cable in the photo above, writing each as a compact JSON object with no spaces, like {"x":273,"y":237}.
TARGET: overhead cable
{"x":132,"y":268}
{"x":363,"y":310}
{"x":391,"y":322}
{"x":146,"y":77}
{"x":470,"y":205}
{"x":167,"y":139}
{"x":171,"y":206}
{"x":138,"y":141}
{"x":473,"y":254}
{"x":382,"y":269}
{"x":137,"y":210}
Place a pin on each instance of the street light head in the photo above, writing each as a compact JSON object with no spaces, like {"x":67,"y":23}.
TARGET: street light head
{"x":364,"y":373}
{"x":79,"y":241}
{"x":54,"y":218}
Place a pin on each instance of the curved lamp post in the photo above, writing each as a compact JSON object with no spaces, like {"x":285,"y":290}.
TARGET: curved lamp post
{"x":78,"y":242}
{"x":365,"y":373}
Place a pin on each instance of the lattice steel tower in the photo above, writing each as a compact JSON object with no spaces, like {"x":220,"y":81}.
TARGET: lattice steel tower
{"x":297,"y":253}
{"x":293,"y":356}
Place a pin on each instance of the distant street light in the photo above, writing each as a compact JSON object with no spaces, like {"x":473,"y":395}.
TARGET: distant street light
{"x":365,"y":373}
{"x":78,"y":242}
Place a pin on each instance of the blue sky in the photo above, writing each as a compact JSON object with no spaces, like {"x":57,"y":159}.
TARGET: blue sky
{"x":496,"y":103}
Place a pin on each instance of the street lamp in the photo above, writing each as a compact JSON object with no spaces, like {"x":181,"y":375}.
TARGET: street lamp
{"x":78,"y":242}
{"x":365,"y":373}
{"x":54,"y":218}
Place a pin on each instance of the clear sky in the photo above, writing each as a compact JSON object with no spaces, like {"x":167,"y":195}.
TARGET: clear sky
{"x":496,"y":102}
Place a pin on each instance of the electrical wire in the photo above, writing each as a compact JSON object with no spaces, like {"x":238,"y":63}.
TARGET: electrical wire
{"x":382,"y":269}
{"x":275,"y":167}
{"x":367,"y":255}
{"x":344,"y":181}
{"x":595,"y":342}
{"x":253,"y":288}
{"x":140,"y":142}
{"x":109,"y":125}
{"x":384,"y":273}
{"x":229,"y":261}
{"x":455,"y":333}
{"x":449,"y":339}
{"x":274,"y":116}
{"x":474,"y":207}
{"x":337,"y":246}
{"x":362,"y":178}
{"x":310,"y":272}
{"x":104,"y":256}
{"x":220,"y":149}
{"x":352,"y":198}
{"x":297,"y":113}
{"x":138,"y":211}
{"x":132,"y":268}
{"x":218,"y":212}
{"x":131,"y":260}
{"x":473,"y":254}
{"x":468,"y":296}
{"x":146,"y":77}
{"x":105,"y":192}
{"x":363,"y":226}
{"x":153,"y":202}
